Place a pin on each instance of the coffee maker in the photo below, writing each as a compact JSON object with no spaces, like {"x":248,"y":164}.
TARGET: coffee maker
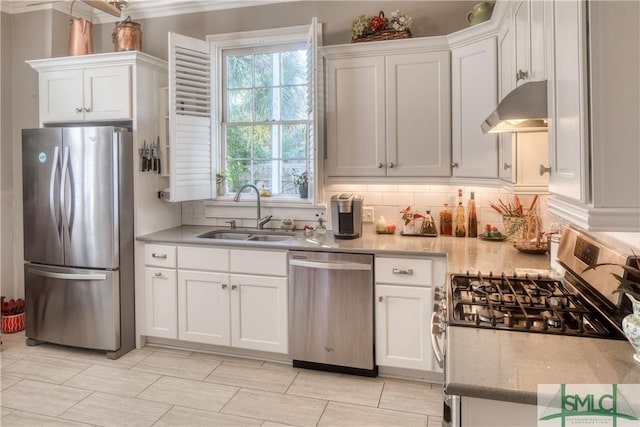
{"x":346,"y":215}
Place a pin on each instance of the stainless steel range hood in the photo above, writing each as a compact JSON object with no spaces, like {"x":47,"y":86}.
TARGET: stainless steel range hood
{"x":524,"y":109}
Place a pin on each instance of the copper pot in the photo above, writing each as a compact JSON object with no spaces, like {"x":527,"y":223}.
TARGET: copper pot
{"x":80,"y":42}
{"x":127,"y":35}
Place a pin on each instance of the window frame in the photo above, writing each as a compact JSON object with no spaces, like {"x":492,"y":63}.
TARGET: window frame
{"x":259,"y":39}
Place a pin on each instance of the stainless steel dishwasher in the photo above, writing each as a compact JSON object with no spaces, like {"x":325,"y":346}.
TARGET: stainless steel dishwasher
{"x":331,"y":312}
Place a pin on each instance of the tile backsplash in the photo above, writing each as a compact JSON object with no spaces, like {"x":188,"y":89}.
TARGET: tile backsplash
{"x":386,"y":200}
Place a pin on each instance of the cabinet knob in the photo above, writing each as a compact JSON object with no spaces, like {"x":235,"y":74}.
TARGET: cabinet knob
{"x":87,"y":110}
{"x":521,"y":75}
{"x":454,"y":164}
{"x":380,"y":299}
{"x":224,"y":286}
{"x":380,"y":165}
{"x":391,"y":165}
{"x":79,"y":110}
{"x":234,"y":287}
{"x":506,"y":166}
{"x":544,"y":169}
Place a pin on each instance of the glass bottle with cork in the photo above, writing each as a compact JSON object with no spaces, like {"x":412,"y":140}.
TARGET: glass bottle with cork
{"x":461,"y":230}
{"x":446,"y":221}
{"x":473,"y":217}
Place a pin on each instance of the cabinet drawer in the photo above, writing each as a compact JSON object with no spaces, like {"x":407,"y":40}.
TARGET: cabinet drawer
{"x":160,"y":256}
{"x":212,"y":259}
{"x":404,"y":271}
{"x":264,"y":263}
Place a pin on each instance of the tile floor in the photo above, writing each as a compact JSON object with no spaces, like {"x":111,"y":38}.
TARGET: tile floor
{"x":51,"y":385}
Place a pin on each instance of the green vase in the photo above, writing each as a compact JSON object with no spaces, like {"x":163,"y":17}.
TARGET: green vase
{"x":304,"y":191}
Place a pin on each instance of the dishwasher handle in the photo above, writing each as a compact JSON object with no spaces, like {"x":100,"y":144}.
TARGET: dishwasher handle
{"x":330,"y":265}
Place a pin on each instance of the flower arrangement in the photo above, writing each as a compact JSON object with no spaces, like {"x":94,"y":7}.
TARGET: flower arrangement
{"x":12,"y":307}
{"x":408,"y":215}
{"x":368,"y":28}
{"x":301,"y":180}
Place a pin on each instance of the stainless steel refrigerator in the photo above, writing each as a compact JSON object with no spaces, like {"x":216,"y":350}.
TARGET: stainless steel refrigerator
{"x":78,"y":237}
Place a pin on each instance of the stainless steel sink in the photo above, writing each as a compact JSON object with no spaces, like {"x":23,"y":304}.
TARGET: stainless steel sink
{"x":249,"y":235}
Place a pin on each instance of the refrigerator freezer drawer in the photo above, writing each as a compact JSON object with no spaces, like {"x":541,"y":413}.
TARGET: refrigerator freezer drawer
{"x":73,"y":306}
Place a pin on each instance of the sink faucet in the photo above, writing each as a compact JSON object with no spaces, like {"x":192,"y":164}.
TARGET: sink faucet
{"x":260,"y":222}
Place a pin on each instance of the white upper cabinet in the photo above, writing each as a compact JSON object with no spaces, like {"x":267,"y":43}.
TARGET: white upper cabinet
{"x":529,"y":31}
{"x":474,"y":96}
{"x":388,"y":113}
{"x":92,"y":88}
{"x":594,"y":110}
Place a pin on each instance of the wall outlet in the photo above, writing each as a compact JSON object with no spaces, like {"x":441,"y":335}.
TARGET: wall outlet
{"x":367,"y":214}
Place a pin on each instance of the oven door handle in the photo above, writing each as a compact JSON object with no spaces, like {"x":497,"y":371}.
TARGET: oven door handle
{"x":437,"y":351}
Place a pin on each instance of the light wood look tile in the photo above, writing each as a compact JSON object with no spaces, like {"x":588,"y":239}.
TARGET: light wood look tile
{"x":47,"y":369}
{"x":434,"y":421}
{"x":175,"y":366}
{"x":170,"y":351}
{"x":227,"y":359}
{"x":7,"y":381}
{"x":179,"y":416}
{"x":189,"y":393}
{"x":340,"y":389}
{"x":113,"y":380}
{"x":345,"y":414}
{"x":254,"y":377}
{"x":126,"y":361}
{"x":41,"y":397}
{"x":5,"y":411}
{"x":276,"y":407}
{"x":111,"y":410}
{"x":28,"y":419}
{"x":411,"y":397}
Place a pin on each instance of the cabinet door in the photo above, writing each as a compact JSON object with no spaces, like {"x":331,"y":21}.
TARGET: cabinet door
{"x":568,"y":136}
{"x":532,"y":150}
{"x":355,"y":117}
{"x":402,"y":327}
{"x":506,"y":82}
{"x":107,"y":93}
{"x":61,"y":96}
{"x":418,"y":114}
{"x":203,"y":307}
{"x":537,"y":40}
{"x":259,"y":313}
{"x":521,"y":18}
{"x":161,"y":297}
{"x":474,"y":97}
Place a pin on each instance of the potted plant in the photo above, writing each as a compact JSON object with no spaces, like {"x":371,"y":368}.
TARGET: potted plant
{"x":630,"y":287}
{"x":301,"y":182}
{"x":221,"y":177}
{"x":12,"y":315}
{"x":409,"y":217}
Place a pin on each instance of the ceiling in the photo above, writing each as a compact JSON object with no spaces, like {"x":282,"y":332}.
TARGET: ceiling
{"x":139,"y":9}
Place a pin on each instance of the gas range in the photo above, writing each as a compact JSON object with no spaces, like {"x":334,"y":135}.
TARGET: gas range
{"x":529,"y":304}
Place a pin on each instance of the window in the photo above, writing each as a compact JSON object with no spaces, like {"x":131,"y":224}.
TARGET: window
{"x":267,"y":121}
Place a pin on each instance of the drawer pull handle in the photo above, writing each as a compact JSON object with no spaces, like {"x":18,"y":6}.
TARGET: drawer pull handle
{"x":159,"y":256}
{"x":408,"y":271}
{"x":158,"y":274}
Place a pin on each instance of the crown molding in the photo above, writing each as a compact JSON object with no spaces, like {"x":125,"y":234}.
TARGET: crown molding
{"x":137,"y":9}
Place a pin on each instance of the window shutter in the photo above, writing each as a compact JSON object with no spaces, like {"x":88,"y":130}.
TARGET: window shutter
{"x":191,"y":172}
{"x":315,"y":32}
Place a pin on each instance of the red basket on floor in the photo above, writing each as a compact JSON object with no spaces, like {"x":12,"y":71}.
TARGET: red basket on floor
{"x":12,"y":323}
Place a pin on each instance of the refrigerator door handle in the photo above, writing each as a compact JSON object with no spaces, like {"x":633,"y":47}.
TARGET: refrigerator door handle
{"x":52,"y":187}
{"x":63,"y":186}
{"x":66,"y":276}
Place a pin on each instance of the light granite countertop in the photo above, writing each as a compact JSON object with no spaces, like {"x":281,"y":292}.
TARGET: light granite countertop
{"x":462,"y":253}
{"x":485,"y":363}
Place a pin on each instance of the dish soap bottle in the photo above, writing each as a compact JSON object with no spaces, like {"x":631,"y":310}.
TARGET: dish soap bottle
{"x":446,"y":221}
{"x":473,"y":217}
{"x":460,"y":227}
{"x":429,"y":225}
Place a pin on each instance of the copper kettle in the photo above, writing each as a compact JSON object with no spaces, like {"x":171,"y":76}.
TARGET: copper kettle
{"x":80,"y":42}
{"x":127,"y":35}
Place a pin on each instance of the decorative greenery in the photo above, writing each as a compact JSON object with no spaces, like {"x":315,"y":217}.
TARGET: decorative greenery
{"x":399,"y":21}
{"x":300,"y":180}
{"x":625,"y":286}
{"x":361,"y":26}
{"x":364,"y":25}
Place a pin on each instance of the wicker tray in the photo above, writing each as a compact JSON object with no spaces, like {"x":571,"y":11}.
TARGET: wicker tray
{"x":383,"y":35}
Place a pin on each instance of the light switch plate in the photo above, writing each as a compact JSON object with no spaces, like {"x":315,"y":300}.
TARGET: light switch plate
{"x":367,"y":214}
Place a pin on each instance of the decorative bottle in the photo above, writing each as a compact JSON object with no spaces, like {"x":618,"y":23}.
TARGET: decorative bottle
{"x":446,"y":221}
{"x":429,"y":225}
{"x":473,"y":217}
{"x":460,"y":222}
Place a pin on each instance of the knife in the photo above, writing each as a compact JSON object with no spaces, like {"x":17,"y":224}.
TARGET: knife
{"x":159,"y":153}
{"x":143,"y":156}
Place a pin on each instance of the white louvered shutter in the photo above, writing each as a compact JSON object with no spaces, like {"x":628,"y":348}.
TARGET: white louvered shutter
{"x":190,"y":95}
{"x":313,"y":40}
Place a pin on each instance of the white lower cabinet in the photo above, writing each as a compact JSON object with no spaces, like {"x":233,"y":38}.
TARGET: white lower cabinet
{"x":402,"y":327}
{"x":217,"y":296}
{"x":403,"y":307}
